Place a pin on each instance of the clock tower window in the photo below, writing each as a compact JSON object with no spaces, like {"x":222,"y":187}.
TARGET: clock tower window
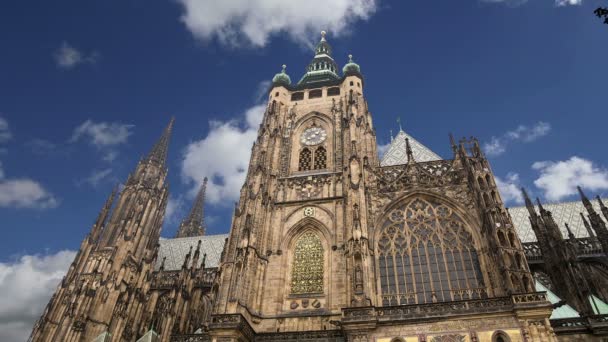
{"x":305,"y":160}
{"x":320,"y":158}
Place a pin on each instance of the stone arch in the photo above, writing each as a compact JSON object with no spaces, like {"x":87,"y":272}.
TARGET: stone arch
{"x":500,"y":336}
{"x":419,"y":235}
{"x":471,"y":220}
{"x":297,"y":148}
{"x":305,"y":229}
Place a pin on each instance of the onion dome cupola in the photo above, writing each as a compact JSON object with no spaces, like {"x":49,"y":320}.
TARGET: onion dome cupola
{"x":322,"y":68}
{"x":351,"y":68}
{"x":281,"y":79}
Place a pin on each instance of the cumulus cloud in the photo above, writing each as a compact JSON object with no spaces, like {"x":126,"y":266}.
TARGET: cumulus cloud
{"x":68,"y":57}
{"x":526,"y":134}
{"x":509,"y":188}
{"x":25,"y":193}
{"x":558,"y":179}
{"x":253,"y":22}
{"x":26,"y":286}
{"x":223,"y":156}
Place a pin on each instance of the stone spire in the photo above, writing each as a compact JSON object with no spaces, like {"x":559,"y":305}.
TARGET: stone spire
{"x":159,"y":151}
{"x":194,"y":224}
{"x":103,"y":216}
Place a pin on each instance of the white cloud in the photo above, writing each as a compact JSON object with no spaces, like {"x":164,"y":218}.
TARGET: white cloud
{"x":514,"y":3}
{"x":96,"y":177}
{"x":509,"y":188}
{"x":559,"y":179}
{"x":525,"y":134}
{"x":223,"y":156}
{"x":26,"y":286}
{"x":175,"y":209}
{"x":253,"y":22}
{"x":568,"y":2}
{"x":102,"y":134}
{"x":5,"y":133}
{"x":25,"y":193}
{"x":382,"y":149}
{"x":68,"y":57}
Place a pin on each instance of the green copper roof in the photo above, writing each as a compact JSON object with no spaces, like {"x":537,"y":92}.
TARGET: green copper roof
{"x":351,"y":67}
{"x":599,"y":306}
{"x":322,"y":68}
{"x":281,"y":78}
{"x":564,"y":311}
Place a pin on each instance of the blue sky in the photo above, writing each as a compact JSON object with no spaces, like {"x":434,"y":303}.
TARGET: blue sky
{"x":87,"y":87}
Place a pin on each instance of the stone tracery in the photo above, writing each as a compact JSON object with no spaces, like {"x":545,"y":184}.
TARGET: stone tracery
{"x":425,"y":254}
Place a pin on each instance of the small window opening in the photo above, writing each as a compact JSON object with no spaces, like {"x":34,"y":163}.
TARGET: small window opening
{"x":315,"y":93}
{"x":333,"y":91}
{"x":297,"y":96}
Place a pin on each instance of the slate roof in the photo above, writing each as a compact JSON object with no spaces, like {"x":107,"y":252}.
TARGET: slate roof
{"x":565,"y":212}
{"x":175,"y":250}
{"x":396,"y":155}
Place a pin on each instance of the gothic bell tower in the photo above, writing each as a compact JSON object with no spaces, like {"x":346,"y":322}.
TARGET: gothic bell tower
{"x":298,"y":252}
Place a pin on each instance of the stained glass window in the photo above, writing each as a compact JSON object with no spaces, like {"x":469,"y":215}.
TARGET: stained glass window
{"x":307,"y":268}
{"x":425,"y":255}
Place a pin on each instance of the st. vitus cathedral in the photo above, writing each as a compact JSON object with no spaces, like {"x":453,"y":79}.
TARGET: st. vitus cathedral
{"x":330,"y":243}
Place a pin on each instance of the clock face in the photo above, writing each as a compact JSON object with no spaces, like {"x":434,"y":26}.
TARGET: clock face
{"x":313,"y":136}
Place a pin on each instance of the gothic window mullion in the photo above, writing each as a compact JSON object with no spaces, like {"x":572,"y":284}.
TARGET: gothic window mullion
{"x":430,"y":289}
{"x":439,"y":292}
{"x":463,"y":270}
{"x":454,"y":280}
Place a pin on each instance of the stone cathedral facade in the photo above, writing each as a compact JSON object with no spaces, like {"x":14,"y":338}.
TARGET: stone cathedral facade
{"x":327,"y":243}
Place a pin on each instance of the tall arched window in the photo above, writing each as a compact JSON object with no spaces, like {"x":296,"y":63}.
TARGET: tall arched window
{"x":307,"y":268}
{"x":320,"y":158}
{"x":425,"y":254}
{"x":305,"y":160}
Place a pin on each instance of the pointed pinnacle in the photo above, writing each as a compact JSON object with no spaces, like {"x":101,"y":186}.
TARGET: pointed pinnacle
{"x":408,"y":150}
{"x":453,"y":144}
{"x":583,"y":196}
{"x":159,"y":151}
{"x":540,"y":205}
{"x":587,"y":226}
{"x":570,"y":234}
{"x":197,"y":214}
{"x":529,"y":204}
